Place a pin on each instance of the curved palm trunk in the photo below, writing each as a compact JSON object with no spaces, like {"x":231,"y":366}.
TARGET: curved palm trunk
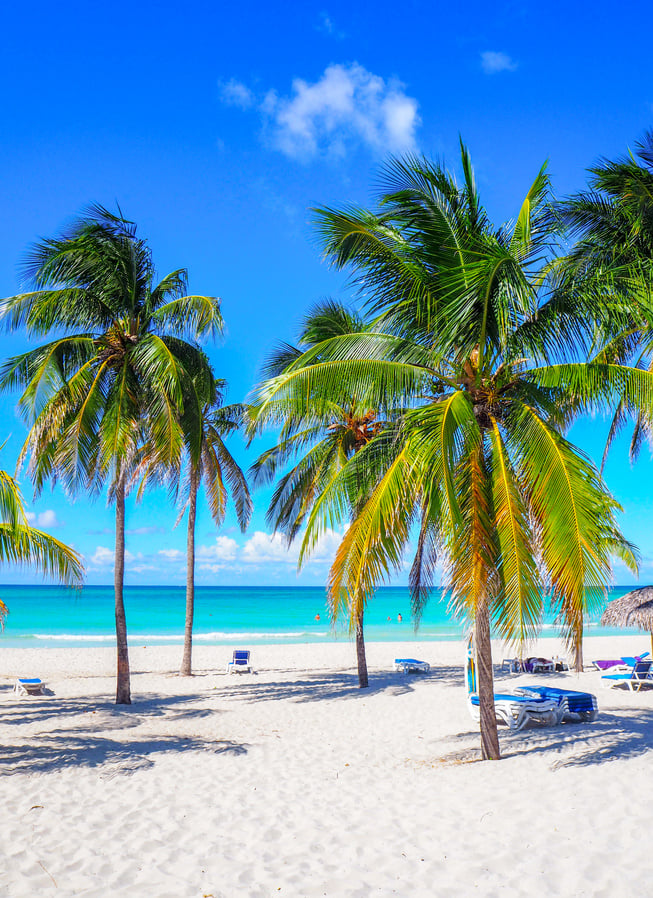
{"x":489,"y":734}
{"x":186,"y":661}
{"x":360,"y":652}
{"x":123,"y":689}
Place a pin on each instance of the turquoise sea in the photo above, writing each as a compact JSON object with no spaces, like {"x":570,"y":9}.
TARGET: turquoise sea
{"x":53,"y":616}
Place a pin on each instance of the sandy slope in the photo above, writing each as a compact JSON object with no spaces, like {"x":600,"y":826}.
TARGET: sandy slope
{"x":294,"y":782}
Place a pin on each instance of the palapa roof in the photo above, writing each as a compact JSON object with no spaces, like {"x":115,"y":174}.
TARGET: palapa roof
{"x":635,"y":609}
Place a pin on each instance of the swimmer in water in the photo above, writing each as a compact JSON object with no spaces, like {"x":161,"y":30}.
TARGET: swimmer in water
{"x":399,"y":618}
{"x":317,"y":617}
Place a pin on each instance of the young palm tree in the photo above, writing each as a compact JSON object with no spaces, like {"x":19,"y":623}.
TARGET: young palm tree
{"x":21,"y":544}
{"x":115,"y":373}
{"x":209,"y":462}
{"x":468,"y":336}
{"x":330,"y":436}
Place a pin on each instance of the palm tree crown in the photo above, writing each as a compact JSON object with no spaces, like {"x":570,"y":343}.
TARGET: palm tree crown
{"x":610,"y":267}
{"x":325,"y":438}
{"x":467,"y":336}
{"x":118,"y":372}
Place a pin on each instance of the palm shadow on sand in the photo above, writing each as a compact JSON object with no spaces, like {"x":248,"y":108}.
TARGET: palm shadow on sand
{"x":97,"y":734}
{"x":323,"y":685}
{"x":613,"y":736}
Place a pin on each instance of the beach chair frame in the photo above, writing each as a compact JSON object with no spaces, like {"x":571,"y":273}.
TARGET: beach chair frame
{"x":240,"y":662}
{"x":513,"y":710}
{"x":29,"y":686}
{"x":634,"y":678}
{"x":572,"y":705}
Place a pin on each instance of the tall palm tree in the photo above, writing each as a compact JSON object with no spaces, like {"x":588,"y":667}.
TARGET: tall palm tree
{"x":328,"y":436}
{"x":209,"y":462}
{"x":467,"y":336}
{"x":21,"y":544}
{"x":115,"y":373}
{"x":610,"y":266}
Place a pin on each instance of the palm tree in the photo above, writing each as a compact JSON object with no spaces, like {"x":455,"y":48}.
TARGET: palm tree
{"x":24,"y":545}
{"x":468,"y":337}
{"x":331,"y":436}
{"x":116,"y":372}
{"x":610,"y":267}
{"x":210,"y":462}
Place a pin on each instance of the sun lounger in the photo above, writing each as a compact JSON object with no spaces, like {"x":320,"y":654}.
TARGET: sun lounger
{"x":512,"y":709}
{"x":634,"y":678}
{"x":29,"y":686}
{"x":627,"y":661}
{"x":517,"y":710}
{"x":239,"y":663}
{"x":412,"y":665}
{"x":571,"y":705}
{"x":534,"y":665}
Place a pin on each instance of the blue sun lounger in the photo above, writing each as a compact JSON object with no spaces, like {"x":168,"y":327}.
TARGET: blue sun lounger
{"x":633,"y":678}
{"x":29,"y":686}
{"x":240,"y":662}
{"x":571,"y":705}
{"x":513,"y":709}
{"x":412,"y":665}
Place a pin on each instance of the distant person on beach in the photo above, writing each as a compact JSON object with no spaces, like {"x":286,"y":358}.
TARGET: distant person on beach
{"x":399,"y":618}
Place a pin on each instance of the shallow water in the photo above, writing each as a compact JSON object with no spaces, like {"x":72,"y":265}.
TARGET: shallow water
{"x":54,"y":616}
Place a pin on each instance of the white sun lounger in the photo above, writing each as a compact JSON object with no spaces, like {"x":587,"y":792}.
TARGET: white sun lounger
{"x":633,"y":677}
{"x":517,"y":710}
{"x":411,"y":665}
{"x":29,"y":686}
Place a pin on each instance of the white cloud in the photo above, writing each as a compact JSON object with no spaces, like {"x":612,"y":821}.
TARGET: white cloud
{"x":235,"y":93}
{"x":142,"y":568}
{"x":44,"y":519}
{"x":145,"y":531}
{"x":346,"y":106}
{"x":172,"y":554}
{"x":224,"y":549}
{"x":328,"y":26}
{"x":272,"y":548}
{"x":104,"y":557}
{"x":493,"y":62}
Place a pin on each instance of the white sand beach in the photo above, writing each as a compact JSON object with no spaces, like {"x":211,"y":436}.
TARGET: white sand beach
{"x":294,"y":782}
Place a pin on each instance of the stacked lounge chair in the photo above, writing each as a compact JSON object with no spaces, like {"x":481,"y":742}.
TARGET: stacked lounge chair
{"x":515,"y":710}
{"x":571,"y":705}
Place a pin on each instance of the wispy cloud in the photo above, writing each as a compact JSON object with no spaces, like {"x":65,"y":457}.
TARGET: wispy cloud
{"x":46,"y":520}
{"x":493,"y":62}
{"x":346,"y":107}
{"x":235,"y":93}
{"x":328,"y":26}
{"x":145,"y":531}
{"x":103,"y":557}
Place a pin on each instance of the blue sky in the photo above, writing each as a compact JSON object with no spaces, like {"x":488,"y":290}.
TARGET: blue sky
{"x":217,"y":126}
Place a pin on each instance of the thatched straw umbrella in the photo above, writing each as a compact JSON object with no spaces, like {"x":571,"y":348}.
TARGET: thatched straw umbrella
{"x":635,"y":609}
